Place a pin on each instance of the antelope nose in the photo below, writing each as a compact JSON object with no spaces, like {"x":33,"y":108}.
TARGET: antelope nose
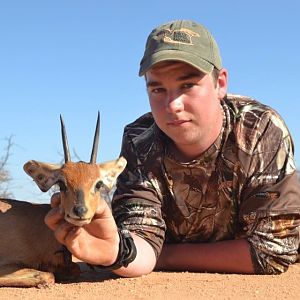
{"x":80,"y":210}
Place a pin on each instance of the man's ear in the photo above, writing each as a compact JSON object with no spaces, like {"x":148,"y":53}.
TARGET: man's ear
{"x":111,"y":170}
{"x":44,"y":175}
{"x":222,"y":83}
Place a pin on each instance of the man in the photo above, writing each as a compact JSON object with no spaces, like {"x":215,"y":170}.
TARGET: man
{"x":210,"y":183}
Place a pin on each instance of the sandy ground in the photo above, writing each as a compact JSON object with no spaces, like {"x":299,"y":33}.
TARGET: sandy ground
{"x":165,"y":285}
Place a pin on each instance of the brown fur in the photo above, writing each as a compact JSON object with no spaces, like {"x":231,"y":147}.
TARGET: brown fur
{"x":20,"y":252}
{"x":74,"y":172}
{"x":29,"y":252}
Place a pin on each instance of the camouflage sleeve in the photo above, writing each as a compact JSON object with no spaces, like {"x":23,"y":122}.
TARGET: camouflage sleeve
{"x":270,"y":207}
{"x":274,"y":243}
{"x":136,"y":203}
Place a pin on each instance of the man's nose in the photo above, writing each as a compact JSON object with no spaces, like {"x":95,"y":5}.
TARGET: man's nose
{"x":174,"y":104}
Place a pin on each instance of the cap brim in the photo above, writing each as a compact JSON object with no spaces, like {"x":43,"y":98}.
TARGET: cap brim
{"x":176,"y":55}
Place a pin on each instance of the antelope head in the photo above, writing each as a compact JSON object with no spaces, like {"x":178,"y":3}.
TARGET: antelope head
{"x":82,"y":185}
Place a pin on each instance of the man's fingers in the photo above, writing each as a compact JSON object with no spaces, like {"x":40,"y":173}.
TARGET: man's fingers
{"x":54,"y":218}
{"x":62,"y":231}
{"x":55,"y":200}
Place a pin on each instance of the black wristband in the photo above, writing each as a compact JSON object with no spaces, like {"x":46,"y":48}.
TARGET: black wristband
{"x":127,"y":251}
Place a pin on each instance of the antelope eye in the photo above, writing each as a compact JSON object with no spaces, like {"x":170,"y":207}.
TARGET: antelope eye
{"x":99,"y":185}
{"x":62,"y":186}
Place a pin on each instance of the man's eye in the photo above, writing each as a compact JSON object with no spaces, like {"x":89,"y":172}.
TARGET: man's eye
{"x":187,"y":85}
{"x":157,"y":90}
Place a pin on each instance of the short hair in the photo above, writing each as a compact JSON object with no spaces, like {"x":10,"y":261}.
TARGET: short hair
{"x":215,"y":75}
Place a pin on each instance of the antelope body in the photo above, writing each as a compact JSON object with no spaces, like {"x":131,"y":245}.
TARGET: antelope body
{"x":29,"y":253}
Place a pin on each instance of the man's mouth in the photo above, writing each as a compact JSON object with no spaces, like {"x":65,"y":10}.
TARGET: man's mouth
{"x":177,"y":122}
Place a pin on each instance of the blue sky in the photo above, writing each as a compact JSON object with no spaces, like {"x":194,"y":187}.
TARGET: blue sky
{"x":77,"y":57}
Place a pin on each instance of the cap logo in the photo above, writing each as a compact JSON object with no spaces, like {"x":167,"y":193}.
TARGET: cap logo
{"x":177,"y":36}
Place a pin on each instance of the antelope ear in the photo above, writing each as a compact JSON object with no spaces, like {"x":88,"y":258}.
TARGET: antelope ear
{"x":111,"y":170}
{"x":44,"y":175}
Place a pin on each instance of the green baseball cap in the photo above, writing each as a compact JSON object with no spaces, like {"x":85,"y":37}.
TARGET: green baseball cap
{"x":181,"y":40}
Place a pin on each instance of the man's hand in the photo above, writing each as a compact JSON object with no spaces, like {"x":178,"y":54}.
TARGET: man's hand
{"x":96,"y":243}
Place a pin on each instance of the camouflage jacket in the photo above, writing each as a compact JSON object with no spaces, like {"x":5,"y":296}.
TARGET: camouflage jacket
{"x":244,"y":186}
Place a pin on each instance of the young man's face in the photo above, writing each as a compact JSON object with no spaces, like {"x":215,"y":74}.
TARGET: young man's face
{"x":186,"y":104}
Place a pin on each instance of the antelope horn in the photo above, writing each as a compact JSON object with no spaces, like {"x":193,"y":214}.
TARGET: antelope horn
{"x":65,"y":141}
{"x":96,"y":141}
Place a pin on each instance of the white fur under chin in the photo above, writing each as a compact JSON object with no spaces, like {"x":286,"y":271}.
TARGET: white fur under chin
{"x":78,"y":222}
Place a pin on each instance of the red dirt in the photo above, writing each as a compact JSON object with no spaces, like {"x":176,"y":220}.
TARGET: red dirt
{"x":166,"y":285}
